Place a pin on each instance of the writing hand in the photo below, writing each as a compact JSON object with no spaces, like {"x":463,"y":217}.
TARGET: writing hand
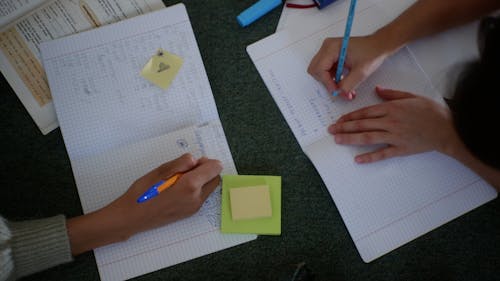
{"x":125,"y":217}
{"x":364,"y":56}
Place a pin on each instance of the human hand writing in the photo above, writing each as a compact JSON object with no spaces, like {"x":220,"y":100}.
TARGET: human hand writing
{"x":364,"y":55}
{"x":125,"y":217}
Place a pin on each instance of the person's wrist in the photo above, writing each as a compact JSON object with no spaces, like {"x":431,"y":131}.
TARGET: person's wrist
{"x":119,"y":222}
{"x":453,"y":146}
{"x":388,"y":41}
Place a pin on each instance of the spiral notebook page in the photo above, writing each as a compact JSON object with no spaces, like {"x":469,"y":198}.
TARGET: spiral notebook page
{"x":117,"y":126}
{"x":384,"y":204}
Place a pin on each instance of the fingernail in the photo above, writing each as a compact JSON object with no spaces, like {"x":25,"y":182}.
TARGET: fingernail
{"x":338,"y":139}
{"x":331,"y":129}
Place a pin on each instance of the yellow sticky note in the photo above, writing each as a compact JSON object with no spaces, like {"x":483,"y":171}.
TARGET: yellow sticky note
{"x":162,"y":68}
{"x":250,"y":202}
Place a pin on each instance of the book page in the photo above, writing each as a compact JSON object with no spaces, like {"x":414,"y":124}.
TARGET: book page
{"x":13,"y":10}
{"x":20,"y":60}
{"x":384,"y":204}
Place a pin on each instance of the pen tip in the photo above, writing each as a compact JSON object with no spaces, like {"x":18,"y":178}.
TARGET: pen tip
{"x":335,"y":93}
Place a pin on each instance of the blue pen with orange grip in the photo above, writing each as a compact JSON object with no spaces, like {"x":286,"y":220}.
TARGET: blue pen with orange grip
{"x":158,"y":187}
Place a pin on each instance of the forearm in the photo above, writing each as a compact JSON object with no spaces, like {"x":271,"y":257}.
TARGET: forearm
{"x":96,"y":229}
{"x":459,"y":151}
{"x":427,"y":17}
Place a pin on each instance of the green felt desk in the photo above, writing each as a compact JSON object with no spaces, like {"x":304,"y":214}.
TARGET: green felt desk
{"x":37,"y":181}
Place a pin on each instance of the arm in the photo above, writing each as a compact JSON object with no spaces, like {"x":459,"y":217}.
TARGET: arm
{"x":427,"y":17}
{"x":125,"y":217}
{"x":366,"y":53}
{"x":407,"y":124}
{"x":459,"y":151}
{"x":30,"y":246}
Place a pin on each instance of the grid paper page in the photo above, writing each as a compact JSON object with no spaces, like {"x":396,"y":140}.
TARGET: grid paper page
{"x":104,"y":177}
{"x":97,"y":72}
{"x":384,"y":204}
{"x":117,"y":126}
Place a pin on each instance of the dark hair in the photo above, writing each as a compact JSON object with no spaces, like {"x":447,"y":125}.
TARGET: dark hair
{"x":475,"y":104}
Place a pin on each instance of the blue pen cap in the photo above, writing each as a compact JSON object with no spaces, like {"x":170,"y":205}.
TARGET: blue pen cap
{"x":256,"y":11}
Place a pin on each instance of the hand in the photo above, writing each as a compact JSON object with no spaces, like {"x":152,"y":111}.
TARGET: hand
{"x":125,"y":217}
{"x":364,"y":56}
{"x":407,"y":123}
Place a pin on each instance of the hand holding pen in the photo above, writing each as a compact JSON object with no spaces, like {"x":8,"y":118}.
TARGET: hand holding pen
{"x":341,"y":67}
{"x":125,"y":217}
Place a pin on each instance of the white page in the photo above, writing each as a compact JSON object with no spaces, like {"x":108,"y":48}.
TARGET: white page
{"x":441,"y":56}
{"x":102,"y":178}
{"x":117,"y":126}
{"x":101,"y":70}
{"x":385,"y":204}
{"x":20,"y":60}
{"x":13,"y":10}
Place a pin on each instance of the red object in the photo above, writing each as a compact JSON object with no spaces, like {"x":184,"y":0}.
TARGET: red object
{"x":301,"y":6}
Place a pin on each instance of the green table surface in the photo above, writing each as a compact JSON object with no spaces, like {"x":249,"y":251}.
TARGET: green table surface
{"x":36,"y":181}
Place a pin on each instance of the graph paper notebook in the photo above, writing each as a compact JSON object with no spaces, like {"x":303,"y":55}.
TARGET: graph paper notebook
{"x":117,"y":126}
{"x":384,"y":204}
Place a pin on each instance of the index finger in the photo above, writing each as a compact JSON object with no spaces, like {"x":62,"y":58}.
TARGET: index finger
{"x":374,"y":111}
{"x":166,"y":170}
{"x":204,"y":172}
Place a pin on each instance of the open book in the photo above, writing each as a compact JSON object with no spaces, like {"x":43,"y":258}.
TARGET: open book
{"x":13,"y":11}
{"x":117,"y":126}
{"x":383,"y":204}
{"x":25,"y":24}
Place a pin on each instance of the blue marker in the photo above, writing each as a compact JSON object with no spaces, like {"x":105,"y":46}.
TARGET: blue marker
{"x":345,"y":41}
{"x":256,"y":11}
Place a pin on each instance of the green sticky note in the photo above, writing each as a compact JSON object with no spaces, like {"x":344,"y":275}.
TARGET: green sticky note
{"x":269,"y":225}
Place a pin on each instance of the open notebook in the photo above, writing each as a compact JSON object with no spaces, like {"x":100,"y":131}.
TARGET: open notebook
{"x":117,"y":126}
{"x":384,"y":204}
{"x":438,"y":55}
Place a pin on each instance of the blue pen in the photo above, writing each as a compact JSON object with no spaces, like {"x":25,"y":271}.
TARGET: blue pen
{"x":158,"y":187}
{"x":345,"y":42}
